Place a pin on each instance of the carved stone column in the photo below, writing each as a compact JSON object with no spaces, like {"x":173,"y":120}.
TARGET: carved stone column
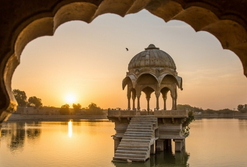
{"x":179,"y":144}
{"x":174,"y":104}
{"x":128,"y":96}
{"x":153,"y":149}
{"x":116,"y":143}
{"x":164,"y":99}
{"x":148,"y":99}
{"x":174,"y":99}
{"x":138,"y":102}
{"x":157,"y":100}
{"x":133,"y":100}
{"x":160,"y":145}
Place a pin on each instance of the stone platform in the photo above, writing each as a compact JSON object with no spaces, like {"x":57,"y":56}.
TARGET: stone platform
{"x":141,"y":133}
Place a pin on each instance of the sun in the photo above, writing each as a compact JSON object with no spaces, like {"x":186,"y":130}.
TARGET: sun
{"x":70,"y":98}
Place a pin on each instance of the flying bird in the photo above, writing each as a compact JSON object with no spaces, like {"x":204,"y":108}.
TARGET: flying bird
{"x":127,"y":49}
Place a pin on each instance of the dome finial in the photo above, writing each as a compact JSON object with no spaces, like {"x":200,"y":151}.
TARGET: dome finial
{"x":151,"y":46}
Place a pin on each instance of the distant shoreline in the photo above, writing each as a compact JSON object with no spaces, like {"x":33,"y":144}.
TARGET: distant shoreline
{"x":236,"y":115}
{"x":24,"y":117}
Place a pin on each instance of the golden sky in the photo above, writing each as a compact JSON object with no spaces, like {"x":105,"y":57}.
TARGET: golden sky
{"x":89,"y":61}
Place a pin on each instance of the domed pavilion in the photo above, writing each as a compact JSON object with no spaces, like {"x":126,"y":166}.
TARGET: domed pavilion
{"x":152,"y":70}
{"x":139,"y":134}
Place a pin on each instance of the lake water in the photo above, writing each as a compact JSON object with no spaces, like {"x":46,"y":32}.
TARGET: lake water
{"x":212,"y":142}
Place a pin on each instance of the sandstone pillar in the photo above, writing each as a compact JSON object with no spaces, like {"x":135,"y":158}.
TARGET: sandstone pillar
{"x":168,"y":144}
{"x":138,"y":103}
{"x":164,"y":99}
{"x":128,"y":96}
{"x":148,"y":99}
{"x":152,"y":149}
{"x":174,"y":104}
{"x":160,"y":145}
{"x":179,"y":144}
{"x":133,"y":99}
{"x":157,"y":101}
{"x":116,"y":143}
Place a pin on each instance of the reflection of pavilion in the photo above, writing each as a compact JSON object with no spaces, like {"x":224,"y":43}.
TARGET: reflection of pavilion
{"x":162,"y":159}
{"x":138,"y":133}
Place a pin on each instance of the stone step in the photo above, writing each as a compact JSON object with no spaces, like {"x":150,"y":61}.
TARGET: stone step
{"x":127,"y":145}
{"x":139,"y":130}
{"x":139,"y":133}
{"x":141,"y":152}
{"x":140,"y":125}
{"x":135,"y":140}
{"x":133,"y":148}
{"x":128,"y":158}
{"x":131,"y":155}
{"x":137,"y":137}
{"x":133,"y":143}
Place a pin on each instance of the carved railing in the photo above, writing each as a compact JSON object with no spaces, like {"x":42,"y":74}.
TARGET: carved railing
{"x":157,"y":113}
{"x":121,"y":113}
{"x":171,"y":113}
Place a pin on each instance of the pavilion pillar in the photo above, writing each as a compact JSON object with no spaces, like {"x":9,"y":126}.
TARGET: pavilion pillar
{"x":133,"y":99}
{"x":128,"y":102}
{"x":116,"y":142}
{"x":174,"y":104}
{"x":160,"y":145}
{"x":148,"y":99}
{"x":138,"y":103}
{"x":157,"y":100}
{"x":164,"y":99}
{"x":128,"y":97}
{"x":174,"y":99}
{"x":153,"y":149}
{"x":179,"y":144}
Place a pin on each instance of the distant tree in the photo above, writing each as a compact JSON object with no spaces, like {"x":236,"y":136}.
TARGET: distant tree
{"x":76,"y":107}
{"x":64,"y":110}
{"x":187,"y":107}
{"x":240,"y":107}
{"x":34,"y":102}
{"x":20,"y":97}
{"x":94,"y":109}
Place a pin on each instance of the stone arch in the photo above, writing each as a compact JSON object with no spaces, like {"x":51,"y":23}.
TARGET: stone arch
{"x":147,"y":79}
{"x":173,"y":92}
{"x":148,"y":90}
{"x":129,"y":80}
{"x":226,"y":20}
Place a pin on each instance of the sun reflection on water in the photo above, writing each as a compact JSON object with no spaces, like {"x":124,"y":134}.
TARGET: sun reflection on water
{"x":70,"y":129}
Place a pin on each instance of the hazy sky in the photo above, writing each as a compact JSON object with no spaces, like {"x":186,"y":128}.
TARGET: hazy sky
{"x":90,"y":61}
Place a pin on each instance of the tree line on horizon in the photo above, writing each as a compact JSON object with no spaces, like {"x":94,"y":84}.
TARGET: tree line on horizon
{"x":241,"y":108}
{"x":92,"y":109}
{"x":34,"y":101}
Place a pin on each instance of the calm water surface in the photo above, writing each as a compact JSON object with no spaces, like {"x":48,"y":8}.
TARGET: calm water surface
{"x":212,"y":142}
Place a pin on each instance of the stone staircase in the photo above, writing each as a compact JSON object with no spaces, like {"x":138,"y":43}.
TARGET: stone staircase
{"x":138,"y":138}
